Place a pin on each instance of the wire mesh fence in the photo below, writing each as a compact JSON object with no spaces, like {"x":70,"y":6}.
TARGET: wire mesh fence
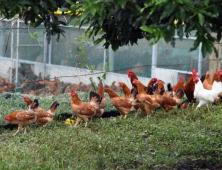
{"x":30,"y":65}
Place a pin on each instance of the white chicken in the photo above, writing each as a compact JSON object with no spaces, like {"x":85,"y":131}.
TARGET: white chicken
{"x":205,"y":96}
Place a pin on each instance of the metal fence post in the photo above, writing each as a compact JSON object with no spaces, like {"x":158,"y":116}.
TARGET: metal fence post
{"x":17,"y":54}
{"x":50,"y":51}
{"x":154,"y":59}
{"x":44,"y":56}
{"x":12,"y":51}
{"x":200,"y":57}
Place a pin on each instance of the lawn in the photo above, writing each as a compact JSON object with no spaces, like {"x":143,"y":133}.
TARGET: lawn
{"x":180,"y":139}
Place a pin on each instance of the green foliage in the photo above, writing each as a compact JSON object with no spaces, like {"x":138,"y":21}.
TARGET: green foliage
{"x":125,"y":22}
{"x":36,"y":13}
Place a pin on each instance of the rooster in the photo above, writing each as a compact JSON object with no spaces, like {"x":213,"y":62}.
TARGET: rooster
{"x":205,"y":96}
{"x":189,"y":90}
{"x":84,"y":110}
{"x":123,"y":105}
{"x":133,"y":77}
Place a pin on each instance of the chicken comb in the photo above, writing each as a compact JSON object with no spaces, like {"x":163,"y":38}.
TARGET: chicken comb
{"x":120,"y":84}
{"x":169,"y":87}
{"x":218,"y":71}
{"x":181,"y":77}
{"x":55,"y":105}
{"x":26,"y":99}
{"x":155,"y":79}
{"x":71,"y":92}
{"x":194,"y":72}
{"x":129,"y":71}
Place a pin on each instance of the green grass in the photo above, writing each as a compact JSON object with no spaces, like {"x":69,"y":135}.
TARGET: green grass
{"x":180,"y":138}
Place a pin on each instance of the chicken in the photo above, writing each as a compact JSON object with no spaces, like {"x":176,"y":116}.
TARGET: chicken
{"x":43,"y":117}
{"x":188,"y":90}
{"x":127,"y":93}
{"x":29,"y":102}
{"x":22,"y":118}
{"x":179,"y":85}
{"x":152,"y":82}
{"x":54,"y":87}
{"x":102,"y":104}
{"x":6,"y":85}
{"x":217,"y":76}
{"x":3,"y":88}
{"x":123,"y":105}
{"x":84,"y":110}
{"x":126,"y":90}
{"x":2,"y":81}
{"x":207,"y":84}
{"x":134,"y":90}
{"x":149,"y":89}
{"x":41,"y":91}
{"x":149,"y":101}
{"x":205,"y":96}
{"x":167,"y":101}
{"x":133,"y":77}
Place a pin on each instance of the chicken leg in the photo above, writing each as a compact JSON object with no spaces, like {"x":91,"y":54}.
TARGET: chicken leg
{"x":19,"y":128}
{"x":86,"y":124}
{"x":125,"y":116}
{"x":196,"y":109}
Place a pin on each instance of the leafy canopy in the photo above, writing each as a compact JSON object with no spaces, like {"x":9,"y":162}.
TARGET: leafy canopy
{"x":123,"y":22}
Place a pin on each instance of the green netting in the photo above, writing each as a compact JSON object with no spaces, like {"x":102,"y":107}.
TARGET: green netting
{"x":74,"y":59}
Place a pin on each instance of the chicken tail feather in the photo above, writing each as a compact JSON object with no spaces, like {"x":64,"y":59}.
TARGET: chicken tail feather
{"x":54,"y":106}
{"x":94,"y":94}
{"x":169,"y":87}
{"x":150,"y":90}
{"x":35,"y":104}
